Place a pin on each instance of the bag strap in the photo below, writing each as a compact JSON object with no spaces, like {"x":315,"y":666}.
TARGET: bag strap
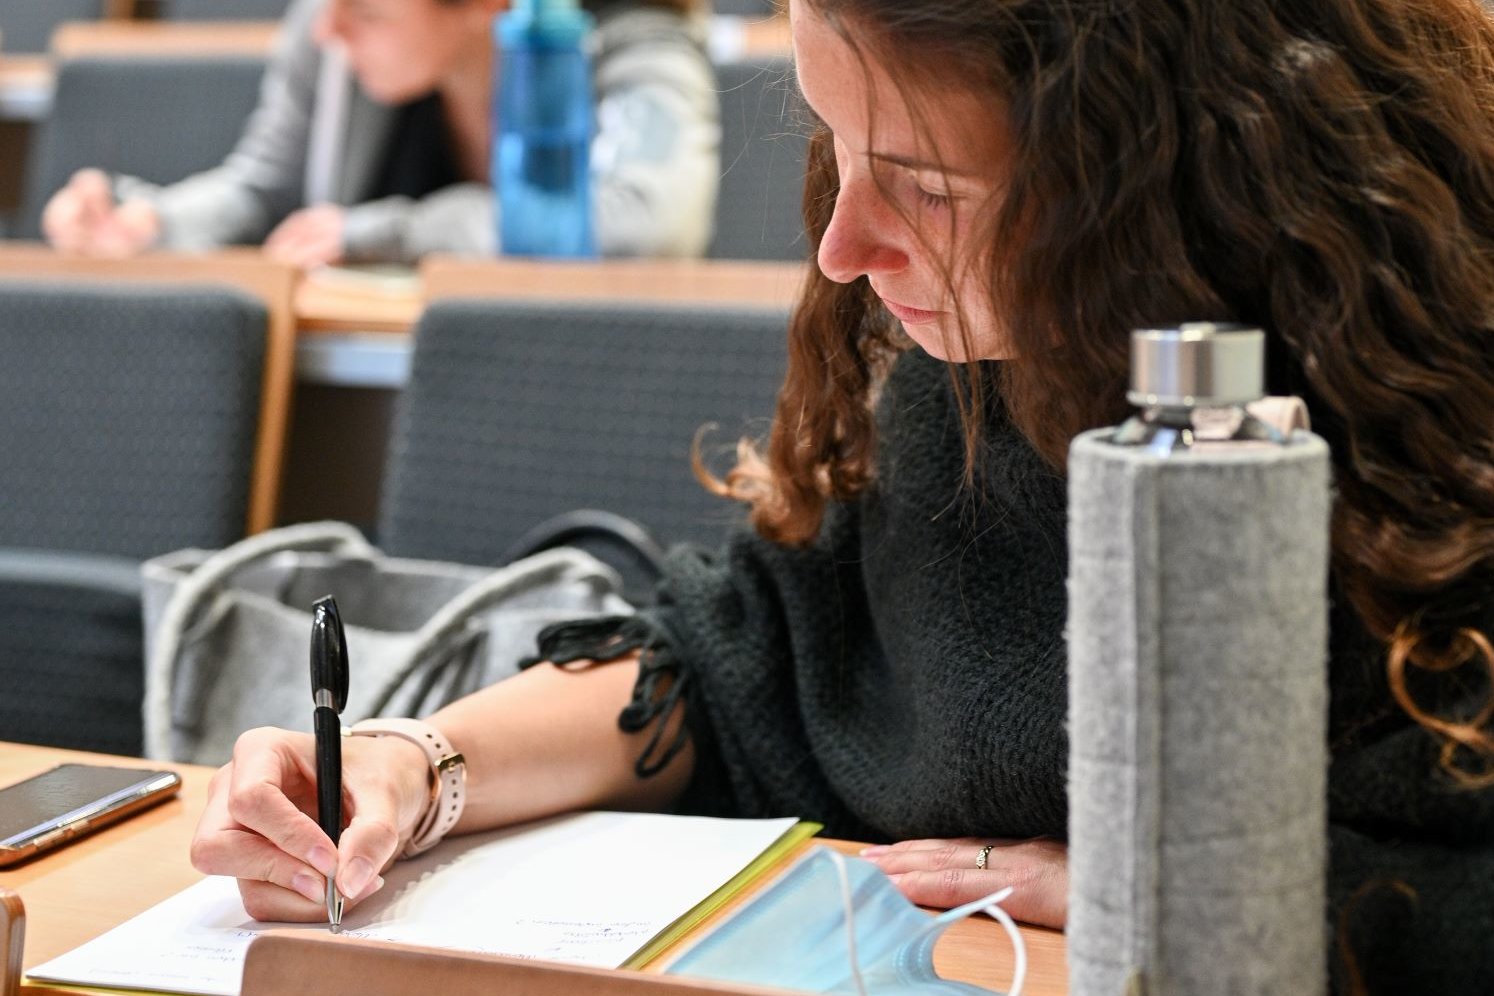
{"x":591,"y":523}
{"x":547,"y":568}
{"x":205,"y":581}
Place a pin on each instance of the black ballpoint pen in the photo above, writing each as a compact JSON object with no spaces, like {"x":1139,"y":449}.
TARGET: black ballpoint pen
{"x":329,"y":691}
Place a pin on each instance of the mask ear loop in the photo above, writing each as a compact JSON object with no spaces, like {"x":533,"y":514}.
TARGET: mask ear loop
{"x":1019,"y":947}
{"x":848,"y":907}
{"x":989,"y":905}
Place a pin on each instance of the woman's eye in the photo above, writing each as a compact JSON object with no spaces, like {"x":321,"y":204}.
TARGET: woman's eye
{"x":932,"y":199}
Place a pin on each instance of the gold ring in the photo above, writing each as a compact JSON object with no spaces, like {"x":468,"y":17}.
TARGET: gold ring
{"x":980,"y":859}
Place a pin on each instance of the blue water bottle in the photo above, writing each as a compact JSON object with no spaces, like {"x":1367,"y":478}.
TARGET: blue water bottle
{"x":542,"y":155}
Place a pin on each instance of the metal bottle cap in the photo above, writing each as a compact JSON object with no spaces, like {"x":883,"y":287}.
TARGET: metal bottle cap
{"x":1197,"y":365}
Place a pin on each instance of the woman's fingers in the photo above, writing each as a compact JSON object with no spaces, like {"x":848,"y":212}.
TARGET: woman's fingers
{"x":387,"y":781}
{"x":74,"y":211}
{"x":309,"y":237}
{"x":269,"y":766}
{"x":257,"y":825}
{"x":927,"y":855}
{"x":222,"y":846}
{"x":943,"y":873}
{"x":265,"y":901}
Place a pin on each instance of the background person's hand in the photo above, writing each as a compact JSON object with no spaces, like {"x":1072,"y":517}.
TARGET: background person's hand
{"x":83,"y":218}
{"x":942,"y":873}
{"x":260,"y":821}
{"x":309,"y":237}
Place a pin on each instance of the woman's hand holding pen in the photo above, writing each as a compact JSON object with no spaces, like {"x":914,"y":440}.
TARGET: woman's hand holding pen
{"x":260,"y":821}
{"x":83,"y":218}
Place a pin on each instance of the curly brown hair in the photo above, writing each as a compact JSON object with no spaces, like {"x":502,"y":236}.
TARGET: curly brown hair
{"x":1321,"y":168}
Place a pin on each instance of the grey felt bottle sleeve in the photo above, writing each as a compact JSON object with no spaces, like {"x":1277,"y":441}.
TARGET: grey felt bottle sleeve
{"x":1197,"y":718}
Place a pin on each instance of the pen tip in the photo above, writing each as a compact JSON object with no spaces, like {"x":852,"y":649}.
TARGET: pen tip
{"x":335,"y":902}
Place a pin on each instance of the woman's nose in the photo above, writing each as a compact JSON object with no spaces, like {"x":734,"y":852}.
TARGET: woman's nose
{"x":864,"y":235}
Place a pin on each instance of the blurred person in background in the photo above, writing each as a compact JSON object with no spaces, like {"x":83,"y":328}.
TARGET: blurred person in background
{"x":373,"y":133}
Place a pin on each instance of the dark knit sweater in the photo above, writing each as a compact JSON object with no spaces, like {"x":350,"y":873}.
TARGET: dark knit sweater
{"x":904,"y":677}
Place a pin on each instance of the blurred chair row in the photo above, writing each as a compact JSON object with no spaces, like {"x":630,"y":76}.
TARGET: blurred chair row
{"x":165,"y":118}
{"x":26,"y":25}
{"x":127,"y":427}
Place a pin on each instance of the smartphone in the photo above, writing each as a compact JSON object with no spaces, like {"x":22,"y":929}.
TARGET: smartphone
{"x":61,"y":805}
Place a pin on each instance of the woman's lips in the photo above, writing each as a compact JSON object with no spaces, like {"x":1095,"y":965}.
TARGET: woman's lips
{"x":911,"y":316}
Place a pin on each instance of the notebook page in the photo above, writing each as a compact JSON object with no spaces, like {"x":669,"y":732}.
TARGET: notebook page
{"x":589,"y":888}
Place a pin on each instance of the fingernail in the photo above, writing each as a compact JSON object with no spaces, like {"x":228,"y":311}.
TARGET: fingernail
{"x":378,"y":883}
{"x":896,"y":877}
{"x":355,"y":877}
{"x":309,"y":886}
{"x":323,"y":859}
{"x":874,"y":850}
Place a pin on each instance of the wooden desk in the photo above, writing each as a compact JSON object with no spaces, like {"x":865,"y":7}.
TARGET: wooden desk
{"x":352,"y":330}
{"x":26,"y":85}
{"x":85,"y":889}
{"x":155,"y":39}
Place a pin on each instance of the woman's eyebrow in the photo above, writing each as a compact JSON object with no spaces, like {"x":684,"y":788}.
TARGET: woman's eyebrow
{"x":923,"y":165}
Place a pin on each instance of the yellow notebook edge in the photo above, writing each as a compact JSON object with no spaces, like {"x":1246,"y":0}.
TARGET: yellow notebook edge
{"x":47,"y":986}
{"x":770,"y":857}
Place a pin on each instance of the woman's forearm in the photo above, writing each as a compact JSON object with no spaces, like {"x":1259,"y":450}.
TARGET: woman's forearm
{"x":547,"y":741}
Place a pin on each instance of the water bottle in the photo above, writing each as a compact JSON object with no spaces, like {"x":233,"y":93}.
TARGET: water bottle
{"x":542,"y":133}
{"x":1198,"y":541}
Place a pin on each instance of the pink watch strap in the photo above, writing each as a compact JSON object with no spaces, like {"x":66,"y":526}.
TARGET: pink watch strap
{"x":449,"y":788}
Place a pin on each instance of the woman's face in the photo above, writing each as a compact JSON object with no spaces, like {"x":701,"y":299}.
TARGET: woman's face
{"x":402,"y":49}
{"x":900,"y":219}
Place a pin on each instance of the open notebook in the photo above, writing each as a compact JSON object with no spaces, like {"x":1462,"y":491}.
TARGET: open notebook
{"x":603,"y":889}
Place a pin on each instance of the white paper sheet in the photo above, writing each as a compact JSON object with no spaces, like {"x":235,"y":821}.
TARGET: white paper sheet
{"x":590,"y":889}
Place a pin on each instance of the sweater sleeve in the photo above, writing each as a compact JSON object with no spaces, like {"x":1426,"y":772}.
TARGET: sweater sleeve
{"x":261,"y":181}
{"x":456,"y":219}
{"x":656,"y":159}
{"x":719,"y":642}
{"x":1411,"y":850}
{"x":1411,"y":915}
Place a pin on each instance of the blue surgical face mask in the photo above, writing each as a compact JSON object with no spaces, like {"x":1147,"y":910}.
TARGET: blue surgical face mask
{"x":834,"y":924}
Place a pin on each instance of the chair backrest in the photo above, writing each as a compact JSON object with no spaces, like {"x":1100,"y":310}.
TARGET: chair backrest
{"x":764,"y":141}
{"x":157,"y":118}
{"x":518,"y":411}
{"x":27,"y":25}
{"x":222,"y":10}
{"x":128,"y":416}
{"x":746,"y":8}
{"x":71,"y":648}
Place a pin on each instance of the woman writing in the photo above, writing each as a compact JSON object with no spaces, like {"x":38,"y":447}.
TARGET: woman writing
{"x":396,"y":165}
{"x":1000,"y":190}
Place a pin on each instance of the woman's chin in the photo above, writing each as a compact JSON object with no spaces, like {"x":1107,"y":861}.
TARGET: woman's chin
{"x":948,"y":345}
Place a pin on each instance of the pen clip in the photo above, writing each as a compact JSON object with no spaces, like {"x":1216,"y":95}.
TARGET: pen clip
{"x":329,"y":652}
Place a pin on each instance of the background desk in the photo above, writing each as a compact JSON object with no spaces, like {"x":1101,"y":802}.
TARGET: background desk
{"x":352,"y":326}
{"x":83,"y":890}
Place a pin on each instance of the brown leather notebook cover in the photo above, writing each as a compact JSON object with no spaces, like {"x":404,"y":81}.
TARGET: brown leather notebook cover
{"x":297,"y":962}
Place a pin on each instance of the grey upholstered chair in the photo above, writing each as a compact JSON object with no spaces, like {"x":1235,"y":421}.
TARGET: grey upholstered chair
{"x":128,"y":420}
{"x":517,"y":412}
{"x":27,"y":25}
{"x":764,"y":141}
{"x":160,"y":119}
{"x":222,"y":10}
